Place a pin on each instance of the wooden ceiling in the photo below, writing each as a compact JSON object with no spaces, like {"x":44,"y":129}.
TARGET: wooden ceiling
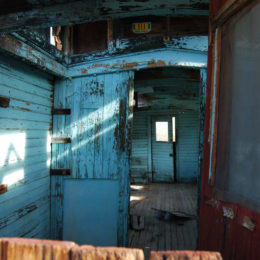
{"x":19,"y":14}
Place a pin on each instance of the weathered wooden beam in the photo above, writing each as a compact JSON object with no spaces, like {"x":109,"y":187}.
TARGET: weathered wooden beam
{"x":61,"y":111}
{"x":3,"y":188}
{"x":149,"y":59}
{"x":42,"y":15}
{"x":60,"y":172}
{"x":14,"y":46}
{"x":4,"y":102}
{"x":60,"y":140}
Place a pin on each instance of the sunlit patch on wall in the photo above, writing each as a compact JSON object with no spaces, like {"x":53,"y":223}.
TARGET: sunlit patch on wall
{"x":12,"y":148}
{"x":48,"y":144}
{"x":13,"y":177}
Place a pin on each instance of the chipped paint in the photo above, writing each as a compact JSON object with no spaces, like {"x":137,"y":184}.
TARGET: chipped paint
{"x":45,"y":14}
{"x":136,"y":61}
{"x":128,"y":46}
{"x":154,"y":63}
{"x":16,"y":47}
{"x":120,"y":132}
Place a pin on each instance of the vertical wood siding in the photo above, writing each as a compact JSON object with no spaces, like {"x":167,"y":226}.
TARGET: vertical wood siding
{"x":167,"y":92}
{"x":140,"y":149}
{"x":25,"y":150}
{"x":99,"y":129}
{"x":187,"y":145}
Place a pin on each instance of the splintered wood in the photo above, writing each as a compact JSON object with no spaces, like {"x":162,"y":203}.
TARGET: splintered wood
{"x":36,"y":249}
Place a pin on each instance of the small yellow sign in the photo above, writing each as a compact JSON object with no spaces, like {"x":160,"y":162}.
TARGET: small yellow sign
{"x":141,"y":27}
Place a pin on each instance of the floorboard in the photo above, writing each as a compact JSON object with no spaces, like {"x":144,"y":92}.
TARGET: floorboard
{"x":158,"y":234}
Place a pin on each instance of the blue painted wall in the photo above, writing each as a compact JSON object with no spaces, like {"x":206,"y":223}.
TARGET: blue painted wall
{"x":91,"y":213}
{"x":187,"y":145}
{"x":25,"y":150}
{"x":162,"y":92}
{"x":99,"y":127}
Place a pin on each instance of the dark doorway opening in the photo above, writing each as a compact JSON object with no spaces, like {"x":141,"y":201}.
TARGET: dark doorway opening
{"x":165,"y":159}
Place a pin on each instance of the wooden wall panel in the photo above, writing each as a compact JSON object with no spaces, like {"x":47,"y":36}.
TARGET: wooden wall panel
{"x":173,"y":92}
{"x":98,"y":127}
{"x":25,"y":150}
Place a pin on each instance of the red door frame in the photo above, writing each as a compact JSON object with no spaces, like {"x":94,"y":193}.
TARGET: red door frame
{"x":230,"y":228}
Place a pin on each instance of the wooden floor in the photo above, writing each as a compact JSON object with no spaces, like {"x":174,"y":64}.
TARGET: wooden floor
{"x":160,"y":234}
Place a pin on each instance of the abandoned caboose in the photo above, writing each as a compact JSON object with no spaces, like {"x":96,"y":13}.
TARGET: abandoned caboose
{"x":131,"y":123}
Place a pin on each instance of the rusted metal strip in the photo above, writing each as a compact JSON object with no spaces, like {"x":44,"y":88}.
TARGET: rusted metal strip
{"x":65,"y":111}
{"x":3,"y":188}
{"x":60,"y":140}
{"x":60,"y":172}
{"x":4,"y":102}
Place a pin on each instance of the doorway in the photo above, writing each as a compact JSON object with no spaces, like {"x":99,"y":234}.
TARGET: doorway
{"x":163,"y":158}
{"x":165,"y":165}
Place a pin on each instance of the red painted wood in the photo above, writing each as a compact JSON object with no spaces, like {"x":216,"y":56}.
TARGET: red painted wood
{"x":216,"y":232}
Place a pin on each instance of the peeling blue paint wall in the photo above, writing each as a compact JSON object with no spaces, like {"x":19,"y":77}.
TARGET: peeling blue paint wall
{"x":98,"y":94}
{"x":99,"y":127}
{"x":167,"y":92}
{"x":187,"y":145}
{"x":25,"y":150}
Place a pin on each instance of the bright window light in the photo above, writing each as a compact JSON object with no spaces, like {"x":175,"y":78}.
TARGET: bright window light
{"x":162,"y":132}
{"x":173,"y":130}
{"x":13,"y":177}
{"x":52,"y":38}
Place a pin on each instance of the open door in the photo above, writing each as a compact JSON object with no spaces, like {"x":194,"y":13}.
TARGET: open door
{"x":230,"y":201}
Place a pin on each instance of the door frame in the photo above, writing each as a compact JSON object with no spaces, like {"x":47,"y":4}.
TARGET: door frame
{"x":231,"y":10}
{"x":203,"y":124}
{"x":151,"y":141}
{"x":218,"y":210}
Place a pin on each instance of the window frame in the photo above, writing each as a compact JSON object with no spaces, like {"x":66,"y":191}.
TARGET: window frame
{"x":233,"y":9}
{"x":168,"y":137}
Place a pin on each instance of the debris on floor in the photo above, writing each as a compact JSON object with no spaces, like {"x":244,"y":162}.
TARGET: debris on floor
{"x":161,"y":235}
{"x":177,"y":216}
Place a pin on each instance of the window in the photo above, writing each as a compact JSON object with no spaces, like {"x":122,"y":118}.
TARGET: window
{"x":238,"y":139}
{"x":162,"y":132}
{"x":52,"y":37}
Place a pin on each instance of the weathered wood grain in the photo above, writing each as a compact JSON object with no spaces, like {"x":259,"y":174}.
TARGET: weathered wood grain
{"x":63,"y":13}
{"x":15,"y":46}
{"x":24,"y":133}
{"x":140,"y":60}
{"x":98,"y":126}
{"x":161,"y":234}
